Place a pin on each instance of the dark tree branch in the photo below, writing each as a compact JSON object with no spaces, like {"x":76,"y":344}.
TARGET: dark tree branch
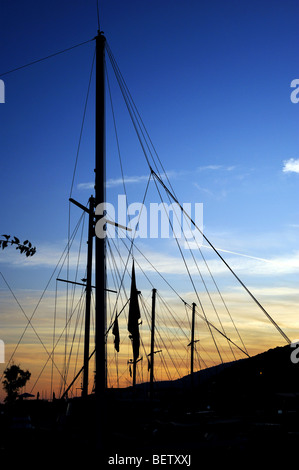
{"x":25,"y":247}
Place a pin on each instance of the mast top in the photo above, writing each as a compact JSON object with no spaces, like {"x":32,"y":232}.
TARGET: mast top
{"x":100,"y":35}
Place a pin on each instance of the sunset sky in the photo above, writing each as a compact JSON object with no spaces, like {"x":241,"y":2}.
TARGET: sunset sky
{"x":212,"y":82}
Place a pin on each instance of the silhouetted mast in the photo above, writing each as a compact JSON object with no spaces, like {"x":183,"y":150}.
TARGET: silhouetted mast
{"x":100,"y":255}
{"x":100,"y":261}
{"x":100,"y":258}
{"x":192,"y":340}
{"x":152,"y":354}
{"x":191,"y":344}
{"x":88,"y":297}
{"x":84,"y":369}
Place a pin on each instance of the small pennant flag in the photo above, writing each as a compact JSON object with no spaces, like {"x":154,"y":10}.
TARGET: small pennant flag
{"x":115,"y":332}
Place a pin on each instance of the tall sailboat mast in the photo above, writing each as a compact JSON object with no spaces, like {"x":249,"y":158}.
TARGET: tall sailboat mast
{"x":100,"y":257}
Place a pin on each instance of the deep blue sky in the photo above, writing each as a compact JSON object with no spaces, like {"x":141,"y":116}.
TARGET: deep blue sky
{"x":211,"y":80}
{"x":212,"y":83}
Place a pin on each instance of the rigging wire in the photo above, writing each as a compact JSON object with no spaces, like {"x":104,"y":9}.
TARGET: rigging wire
{"x":29,"y":320}
{"x":146,"y":316}
{"x":45,"y":58}
{"x":134,"y":114}
{"x":192,"y":281}
{"x":67,"y":307}
{"x":133,"y":111}
{"x":41,"y":297}
{"x":79,"y":316}
{"x":117,"y":276}
{"x":222,"y":298}
{"x":215,"y":284}
{"x":71,"y":190}
{"x":159,"y":178}
{"x":84,"y":114}
{"x":111,"y":262}
{"x":53,"y":339}
{"x":56,"y":344}
{"x":98,"y":14}
{"x":176,"y":322}
{"x":138,"y":124}
{"x":132,"y":243}
{"x":223,"y":260}
{"x":138,"y":264}
{"x":179,"y":296}
{"x":82,"y":124}
{"x":171,"y":325}
{"x":157,"y":331}
{"x":127,"y":102}
{"x":218,"y":331}
{"x":116,"y":134}
{"x":74,"y":291}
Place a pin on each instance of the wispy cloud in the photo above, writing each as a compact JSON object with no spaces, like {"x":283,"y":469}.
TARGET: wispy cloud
{"x":238,"y":254}
{"x":209,"y":167}
{"x":114,"y":182}
{"x":244,"y":257}
{"x":204,"y":190}
{"x":252,"y":266}
{"x":85,"y":186}
{"x":216,"y":167}
{"x":47,"y":256}
{"x":291,"y":166}
{"x":218,"y":194}
{"x":171,"y":174}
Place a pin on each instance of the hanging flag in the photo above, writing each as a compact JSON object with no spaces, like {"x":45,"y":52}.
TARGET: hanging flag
{"x":115,"y":332}
{"x":134,"y":316}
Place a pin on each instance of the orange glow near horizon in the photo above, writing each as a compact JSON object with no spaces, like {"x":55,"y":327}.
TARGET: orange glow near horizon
{"x":172,"y":363}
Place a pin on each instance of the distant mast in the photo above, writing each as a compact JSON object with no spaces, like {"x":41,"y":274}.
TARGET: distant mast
{"x":192,"y":345}
{"x":152,"y":353}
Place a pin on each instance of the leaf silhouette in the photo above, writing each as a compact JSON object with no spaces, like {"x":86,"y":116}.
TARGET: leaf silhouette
{"x":26,"y":247}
